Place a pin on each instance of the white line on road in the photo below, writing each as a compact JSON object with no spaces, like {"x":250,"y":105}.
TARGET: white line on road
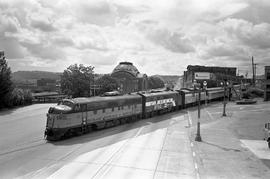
{"x":198,"y":176}
{"x":113,"y":156}
{"x":210,"y":115}
{"x":189,"y":118}
{"x":196,"y":166}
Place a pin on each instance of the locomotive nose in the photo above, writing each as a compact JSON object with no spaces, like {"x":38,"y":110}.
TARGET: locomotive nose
{"x":51,"y":109}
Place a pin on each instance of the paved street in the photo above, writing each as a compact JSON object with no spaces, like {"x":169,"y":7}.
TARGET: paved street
{"x":232,"y":146}
{"x":159,"y":147}
{"x":154,"y":148}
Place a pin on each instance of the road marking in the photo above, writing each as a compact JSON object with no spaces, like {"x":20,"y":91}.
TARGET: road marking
{"x":198,"y":176}
{"x":189,"y":118}
{"x":139,"y":131}
{"x":191,"y":144}
{"x":194,"y":154}
{"x":196,"y":166}
{"x":258,"y":147}
{"x":210,"y":115}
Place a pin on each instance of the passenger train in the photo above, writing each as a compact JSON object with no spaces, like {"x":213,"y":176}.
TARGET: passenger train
{"x":77,"y":116}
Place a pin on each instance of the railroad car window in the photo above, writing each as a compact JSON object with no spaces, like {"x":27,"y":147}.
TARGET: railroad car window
{"x":128,"y":106}
{"x":113,"y":109}
{"x":118,"y":107}
{"x":88,"y":107}
{"x":84,"y":107}
{"x":77,"y":107}
{"x":95,"y":111}
{"x":103,"y":110}
{"x":122,"y":107}
{"x":135,"y":105}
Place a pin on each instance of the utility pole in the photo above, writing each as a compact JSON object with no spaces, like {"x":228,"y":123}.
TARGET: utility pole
{"x":197,"y":88}
{"x":253,"y":72}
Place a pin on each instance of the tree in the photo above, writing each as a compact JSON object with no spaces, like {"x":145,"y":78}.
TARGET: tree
{"x":6,"y":84}
{"x":155,"y":82}
{"x":76,"y":80}
{"x":107,"y":83}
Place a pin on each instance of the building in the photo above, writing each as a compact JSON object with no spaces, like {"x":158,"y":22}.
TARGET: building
{"x":129,"y":78}
{"x":213,"y":75}
{"x":267,"y":83}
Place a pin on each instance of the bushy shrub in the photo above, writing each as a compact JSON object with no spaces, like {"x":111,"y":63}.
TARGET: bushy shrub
{"x":155,"y":82}
{"x":18,"y":97}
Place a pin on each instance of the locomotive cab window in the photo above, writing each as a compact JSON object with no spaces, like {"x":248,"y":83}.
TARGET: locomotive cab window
{"x":66,"y":103}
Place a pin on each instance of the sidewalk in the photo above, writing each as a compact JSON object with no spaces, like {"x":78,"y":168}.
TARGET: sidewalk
{"x":222,"y":155}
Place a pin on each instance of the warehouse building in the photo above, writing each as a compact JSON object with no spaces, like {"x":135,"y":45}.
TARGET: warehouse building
{"x":213,"y":75}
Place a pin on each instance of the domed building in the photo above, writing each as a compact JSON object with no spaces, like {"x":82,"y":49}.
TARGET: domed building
{"x":129,"y":78}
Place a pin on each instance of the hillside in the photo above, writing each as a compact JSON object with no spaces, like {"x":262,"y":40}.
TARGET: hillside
{"x":30,"y":75}
{"x":169,"y":78}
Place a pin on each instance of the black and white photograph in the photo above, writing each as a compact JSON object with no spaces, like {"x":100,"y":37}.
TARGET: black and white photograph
{"x":134,"y":89}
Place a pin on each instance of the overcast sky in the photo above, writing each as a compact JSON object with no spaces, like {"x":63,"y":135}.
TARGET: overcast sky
{"x":158,"y":36}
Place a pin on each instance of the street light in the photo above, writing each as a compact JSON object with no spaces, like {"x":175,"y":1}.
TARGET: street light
{"x":224,"y":85}
{"x":204,"y":88}
{"x":197,"y":87}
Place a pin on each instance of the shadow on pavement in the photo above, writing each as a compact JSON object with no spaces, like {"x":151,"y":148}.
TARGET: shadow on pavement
{"x":222,"y":147}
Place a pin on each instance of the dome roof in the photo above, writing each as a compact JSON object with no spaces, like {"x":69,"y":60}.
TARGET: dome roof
{"x":126,"y":67}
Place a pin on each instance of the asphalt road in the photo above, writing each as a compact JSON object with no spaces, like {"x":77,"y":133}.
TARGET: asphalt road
{"x":158,"y":147}
{"x":244,"y":122}
{"x":134,"y":149}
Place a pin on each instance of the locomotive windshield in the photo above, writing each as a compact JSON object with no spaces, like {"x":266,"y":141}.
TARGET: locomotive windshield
{"x":66,"y":103}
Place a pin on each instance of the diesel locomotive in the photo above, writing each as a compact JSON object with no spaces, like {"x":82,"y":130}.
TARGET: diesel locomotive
{"x":77,"y":116}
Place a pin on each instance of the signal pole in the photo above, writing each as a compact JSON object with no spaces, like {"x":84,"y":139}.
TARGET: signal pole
{"x":197,"y":88}
{"x":253,"y":72}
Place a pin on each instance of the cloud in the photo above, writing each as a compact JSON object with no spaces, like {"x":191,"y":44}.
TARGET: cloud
{"x":173,"y":41}
{"x":45,"y":51}
{"x":100,"y":13}
{"x":43,"y":24}
{"x":159,"y":36}
{"x":8,"y":24}
{"x":255,"y":36}
{"x":256,"y":12}
{"x":63,"y":41}
{"x":12,"y":48}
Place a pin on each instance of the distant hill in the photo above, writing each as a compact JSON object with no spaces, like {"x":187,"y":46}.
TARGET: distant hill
{"x":30,"y":75}
{"x":168,"y":78}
